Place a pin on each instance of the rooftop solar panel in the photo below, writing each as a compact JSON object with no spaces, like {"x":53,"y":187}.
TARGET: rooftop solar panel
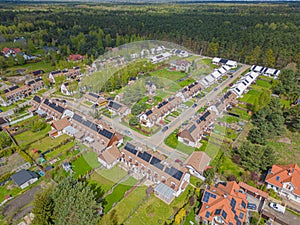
{"x":177,"y":174}
{"x":144,"y":156}
{"x":131,"y":148}
{"x":149,"y":112}
{"x":106,"y":133}
{"x":192,"y":128}
{"x":94,"y":95}
{"x":37,"y":99}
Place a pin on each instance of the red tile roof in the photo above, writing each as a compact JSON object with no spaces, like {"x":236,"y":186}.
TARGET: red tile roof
{"x":280,"y":174}
{"x":75,"y":57}
{"x":226,"y":202}
{"x":253,"y":190}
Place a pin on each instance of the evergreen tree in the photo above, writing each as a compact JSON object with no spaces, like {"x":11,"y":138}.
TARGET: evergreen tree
{"x":43,"y":206}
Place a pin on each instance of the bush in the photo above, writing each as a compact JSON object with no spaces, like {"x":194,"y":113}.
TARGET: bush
{"x":7,"y":151}
{"x":5,"y":177}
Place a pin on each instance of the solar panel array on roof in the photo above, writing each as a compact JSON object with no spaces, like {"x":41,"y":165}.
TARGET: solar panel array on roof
{"x":76,"y":67}
{"x":144,"y":156}
{"x":208,"y":195}
{"x":14,"y":88}
{"x":162,"y":104}
{"x":192,"y":128}
{"x":37,"y":99}
{"x":52,"y":105}
{"x":55,"y":72}
{"x":30,"y":82}
{"x":130,"y":148}
{"x":94,"y":95}
{"x":244,"y":204}
{"x":177,"y":174}
{"x":106,"y":133}
{"x":157,"y":163}
{"x":114,"y":105}
{"x":223,"y":61}
{"x":227,"y":94}
{"x":149,"y":112}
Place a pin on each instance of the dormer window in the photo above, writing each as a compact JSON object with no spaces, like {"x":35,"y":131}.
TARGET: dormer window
{"x":277,"y":178}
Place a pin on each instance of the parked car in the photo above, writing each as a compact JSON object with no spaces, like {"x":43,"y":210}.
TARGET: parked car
{"x":215,"y":89}
{"x":251,"y":206}
{"x":165,"y":129}
{"x":277,"y":207}
{"x":128,"y":132}
{"x":195,"y":105}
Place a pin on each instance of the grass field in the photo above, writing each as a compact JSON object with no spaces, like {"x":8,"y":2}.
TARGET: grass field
{"x":228,"y":119}
{"x":242,"y":113}
{"x":155,"y":211}
{"x":286,"y":147}
{"x":169,"y":75}
{"x":29,"y":136}
{"x":107,"y":178}
{"x":118,"y":193}
{"x":263,"y":83}
{"x":48,"y":143}
{"x":127,"y":206}
{"x":59,"y":150}
{"x":250,"y":97}
{"x":85,"y":163}
{"x":6,"y":191}
{"x":46,"y":66}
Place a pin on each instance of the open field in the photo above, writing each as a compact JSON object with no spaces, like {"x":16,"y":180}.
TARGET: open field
{"x":127,"y":206}
{"x":29,"y":136}
{"x":48,"y":143}
{"x":118,"y":193}
{"x":250,"y":97}
{"x":107,"y":178}
{"x":169,"y":75}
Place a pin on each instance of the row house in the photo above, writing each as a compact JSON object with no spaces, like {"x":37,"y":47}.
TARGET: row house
{"x":193,"y":132}
{"x":224,"y":203}
{"x":152,"y":166}
{"x":270,"y":72}
{"x":161,"y":57}
{"x":97,"y":134}
{"x":118,"y":109}
{"x":73,"y":73}
{"x":180,"y":53}
{"x":244,"y":83}
{"x":190,"y":91}
{"x":220,"y":61}
{"x":197,"y":163}
{"x":215,"y":75}
{"x":157,"y":113}
{"x":35,"y":85}
{"x":35,"y":103}
{"x":16,"y":93}
{"x":223,"y":103}
{"x":53,"y":109}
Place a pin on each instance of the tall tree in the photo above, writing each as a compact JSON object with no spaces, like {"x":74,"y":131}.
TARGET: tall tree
{"x":43,"y":207}
{"x":75,"y":203}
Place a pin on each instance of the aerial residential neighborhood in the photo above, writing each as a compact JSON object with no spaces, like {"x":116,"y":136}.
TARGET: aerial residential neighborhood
{"x":98,"y":127}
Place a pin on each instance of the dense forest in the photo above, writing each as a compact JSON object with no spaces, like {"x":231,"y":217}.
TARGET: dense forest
{"x":262,"y":34}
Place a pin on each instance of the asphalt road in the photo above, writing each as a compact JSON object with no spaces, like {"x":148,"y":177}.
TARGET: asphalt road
{"x":156,"y":141}
{"x":287,"y":217}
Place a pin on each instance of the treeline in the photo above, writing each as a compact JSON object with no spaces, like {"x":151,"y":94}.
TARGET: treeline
{"x":251,"y":34}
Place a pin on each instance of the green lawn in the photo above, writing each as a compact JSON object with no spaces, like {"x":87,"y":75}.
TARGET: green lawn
{"x":6,"y":190}
{"x":173,"y":142}
{"x":228,"y":167}
{"x":186,"y":82}
{"x":242,"y":113}
{"x":118,"y":193}
{"x":48,"y":143}
{"x":107,"y":178}
{"x":189,"y":103}
{"x":155,"y":211}
{"x":59,"y":150}
{"x":169,"y":75}
{"x":190,"y":217}
{"x":85,"y":163}
{"x":250,"y":97}
{"x":228,"y":119}
{"x":195,"y":181}
{"x":29,"y":136}
{"x":127,"y":206}
{"x":46,"y":66}
{"x":263,"y":83}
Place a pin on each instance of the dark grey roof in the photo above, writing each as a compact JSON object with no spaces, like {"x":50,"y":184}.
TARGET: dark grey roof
{"x":23,"y":176}
{"x":37,"y":99}
{"x":131,"y":148}
{"x":94,"y":95}
{"x":177,"y":174}
{"x":57,"y":108}
{"x":114,"y":105}
{"x":192,"y":128}
{"x":149,"y":112}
